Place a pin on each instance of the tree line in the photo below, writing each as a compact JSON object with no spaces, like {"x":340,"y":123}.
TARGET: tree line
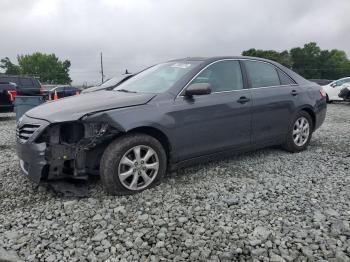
{"x":309,"y":61}
{"x":47,"y":67}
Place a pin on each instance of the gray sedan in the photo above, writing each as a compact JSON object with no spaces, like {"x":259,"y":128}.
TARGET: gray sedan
{"x":170,"y":115}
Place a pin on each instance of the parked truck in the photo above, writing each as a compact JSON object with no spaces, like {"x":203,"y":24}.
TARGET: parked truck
{"x":8,"y":93}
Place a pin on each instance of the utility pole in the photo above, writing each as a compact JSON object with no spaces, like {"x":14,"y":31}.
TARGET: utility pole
{"x":101,"y":68}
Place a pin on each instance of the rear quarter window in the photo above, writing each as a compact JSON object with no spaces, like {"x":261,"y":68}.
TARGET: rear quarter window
{"x":284,"y":78}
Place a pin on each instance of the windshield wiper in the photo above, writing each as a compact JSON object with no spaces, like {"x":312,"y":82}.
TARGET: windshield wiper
{"x":126,"y":91}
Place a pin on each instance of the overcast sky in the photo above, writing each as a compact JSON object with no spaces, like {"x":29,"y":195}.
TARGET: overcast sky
{"x":133,"y":34}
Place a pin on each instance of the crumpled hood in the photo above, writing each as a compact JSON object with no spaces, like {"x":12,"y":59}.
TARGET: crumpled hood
{"x":74,"y":107}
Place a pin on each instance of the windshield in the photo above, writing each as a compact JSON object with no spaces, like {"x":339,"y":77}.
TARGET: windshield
{"x":113,"y":81}
{"x":158,"y":78}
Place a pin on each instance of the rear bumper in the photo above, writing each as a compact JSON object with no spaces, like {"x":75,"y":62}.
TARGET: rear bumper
{"x":320,"y":113}
{"x":32,"y":160}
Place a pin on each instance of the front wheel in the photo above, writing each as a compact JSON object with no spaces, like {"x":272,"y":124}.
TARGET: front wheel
{"x":132,"y":163}
{"x":299,"y":133}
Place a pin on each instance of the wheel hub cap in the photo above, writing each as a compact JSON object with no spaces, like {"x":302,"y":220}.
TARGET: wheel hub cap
{"x":138,"y":167}
{"x":301,"y":131}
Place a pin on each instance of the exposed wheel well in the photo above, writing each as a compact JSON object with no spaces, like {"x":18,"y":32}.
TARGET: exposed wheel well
{"x":157,"y":134}
{"x":313,"y":116}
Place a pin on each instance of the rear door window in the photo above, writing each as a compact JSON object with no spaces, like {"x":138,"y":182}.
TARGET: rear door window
{"x":262,"y":74}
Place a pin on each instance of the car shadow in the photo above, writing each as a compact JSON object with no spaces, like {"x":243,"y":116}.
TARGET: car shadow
{"x":7,"y":118}
{"x":92,"y":186}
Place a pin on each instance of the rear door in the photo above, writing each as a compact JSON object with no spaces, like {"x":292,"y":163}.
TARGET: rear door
{"x":274,"y":96}
{"x":214,"y":122}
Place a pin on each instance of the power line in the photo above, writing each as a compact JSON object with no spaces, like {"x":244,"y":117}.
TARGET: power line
{"x":101,"y":68}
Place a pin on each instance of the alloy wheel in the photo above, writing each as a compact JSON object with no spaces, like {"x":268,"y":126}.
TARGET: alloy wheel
{"x":301,"y":131}
{"x":138,"y":167}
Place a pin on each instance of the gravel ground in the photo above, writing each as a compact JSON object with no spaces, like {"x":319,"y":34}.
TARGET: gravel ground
{"x":267,"y":205}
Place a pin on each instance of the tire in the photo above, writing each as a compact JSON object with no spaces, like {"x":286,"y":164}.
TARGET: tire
{"x":290,"y":144}
{"x":125,"y":148}
{"x":328,"y":101}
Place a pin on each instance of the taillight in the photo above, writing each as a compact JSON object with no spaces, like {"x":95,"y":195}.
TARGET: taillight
{"x":323,"y":93}
{"x":41,"y":90}
{"x":12,"y":94}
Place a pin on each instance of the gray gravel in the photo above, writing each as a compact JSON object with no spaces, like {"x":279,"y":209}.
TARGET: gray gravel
{"x":267,"y":205}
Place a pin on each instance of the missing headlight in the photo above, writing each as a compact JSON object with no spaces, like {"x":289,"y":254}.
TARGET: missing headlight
{"x":95,"y":129}
{"x":71,"y":132}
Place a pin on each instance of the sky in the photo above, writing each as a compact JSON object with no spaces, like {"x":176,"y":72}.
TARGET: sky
{"x":133,"y":34}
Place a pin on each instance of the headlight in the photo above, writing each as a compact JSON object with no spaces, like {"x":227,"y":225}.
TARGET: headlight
{"x":19,"y":120}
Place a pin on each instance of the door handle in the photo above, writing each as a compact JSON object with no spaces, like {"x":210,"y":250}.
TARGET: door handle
{"x":243,"y":100}
{"x":294,"y":93}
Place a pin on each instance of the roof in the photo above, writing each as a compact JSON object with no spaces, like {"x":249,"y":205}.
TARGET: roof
{"x":215,"y":58}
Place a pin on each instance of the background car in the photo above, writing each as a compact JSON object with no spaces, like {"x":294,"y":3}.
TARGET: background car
{"x":333,"y":89}
{"x":7,"y":96}
{"x":111,"y":83}
{"x":26,"y":85}
{"x":62,"y":91}
{"x":345,"y":92}
{"x":321,"y":82}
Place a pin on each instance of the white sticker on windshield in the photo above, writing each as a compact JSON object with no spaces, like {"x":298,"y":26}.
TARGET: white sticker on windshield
{"x":181,"y":65}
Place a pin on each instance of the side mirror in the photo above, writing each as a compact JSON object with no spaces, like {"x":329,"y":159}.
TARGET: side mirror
{"x":198,"y":89}
{"x":333,"y":85}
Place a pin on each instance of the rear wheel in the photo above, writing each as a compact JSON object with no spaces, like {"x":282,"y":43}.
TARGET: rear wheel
{"x":328,"y":101}
{"x":299,"y":133}
{"x":132,"y":163}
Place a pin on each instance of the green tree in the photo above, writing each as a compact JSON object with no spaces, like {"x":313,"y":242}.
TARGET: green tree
{"x":312,"y":62}
{"x":280,"y":57}
{"x":9,"y":67}
{"x":47,"y":67}
{"x":309,"y":61}
{"x":334,"y":64}
{"x":306,"y":60}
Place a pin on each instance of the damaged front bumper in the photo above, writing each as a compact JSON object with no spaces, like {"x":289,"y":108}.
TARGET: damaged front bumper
{"x":32,"y":160}
{"x":53,"y":151}
{"x":31,"y":155}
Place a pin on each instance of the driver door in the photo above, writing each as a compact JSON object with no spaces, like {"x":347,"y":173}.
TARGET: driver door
{"x":215,"y":122}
